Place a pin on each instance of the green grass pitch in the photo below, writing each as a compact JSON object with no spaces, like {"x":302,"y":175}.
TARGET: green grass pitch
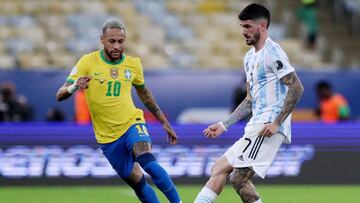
{"x":123,"y":194}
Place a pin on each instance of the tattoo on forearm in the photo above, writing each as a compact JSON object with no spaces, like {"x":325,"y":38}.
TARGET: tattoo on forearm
{"x":150,"y":103}
{"x":241,"y":112}
{"x":240,"y":180}
{"x":292,"y":97}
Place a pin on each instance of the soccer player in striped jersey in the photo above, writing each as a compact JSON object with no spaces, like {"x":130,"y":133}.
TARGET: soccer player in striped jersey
{"x":107,"y":76}
{"x":273,"y":90}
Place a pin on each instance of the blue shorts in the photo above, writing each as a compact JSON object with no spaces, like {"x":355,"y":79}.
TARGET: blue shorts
{"x":119,"y":153}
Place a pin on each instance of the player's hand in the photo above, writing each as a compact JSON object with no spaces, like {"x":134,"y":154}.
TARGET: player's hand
{"x":82,"y":82}
{"x":214,"y":130}
{"x":172,"y":137}
{"x":269,"y":129}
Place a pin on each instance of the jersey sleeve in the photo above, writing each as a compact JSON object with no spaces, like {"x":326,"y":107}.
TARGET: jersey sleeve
{"x":139,"y":77}
{"x":279,"y":63}
{"x":246,"y":67}
{"x":77,"y":71}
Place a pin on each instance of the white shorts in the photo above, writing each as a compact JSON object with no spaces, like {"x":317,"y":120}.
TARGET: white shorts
{"x":254,"y":151}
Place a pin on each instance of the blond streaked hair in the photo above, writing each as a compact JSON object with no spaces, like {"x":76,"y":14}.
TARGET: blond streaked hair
{"x":113,"y":23}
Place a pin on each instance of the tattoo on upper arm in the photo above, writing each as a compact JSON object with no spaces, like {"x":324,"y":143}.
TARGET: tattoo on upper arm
{"x":289,"y":78}
{"x":292,"y":97}
{"x":242,"y":111}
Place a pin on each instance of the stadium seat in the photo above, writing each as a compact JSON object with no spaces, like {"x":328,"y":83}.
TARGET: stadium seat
{"x":158,"y":31}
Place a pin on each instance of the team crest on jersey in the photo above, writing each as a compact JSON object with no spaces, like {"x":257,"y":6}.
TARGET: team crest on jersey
{"x":114,"y":73}
{"x":279,"y":65}
{"x":127,"y":74}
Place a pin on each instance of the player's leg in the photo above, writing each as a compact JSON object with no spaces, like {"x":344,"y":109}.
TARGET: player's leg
{"x":254,"y":155}
{"x":215,"y":184}
{"x":142,"y":189}
{"x":142,"y":152}
{"x":240,"y":180}
{"x":122,"y":161}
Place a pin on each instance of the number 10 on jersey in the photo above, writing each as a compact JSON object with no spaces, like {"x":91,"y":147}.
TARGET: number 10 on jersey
{"x":113,"y":90}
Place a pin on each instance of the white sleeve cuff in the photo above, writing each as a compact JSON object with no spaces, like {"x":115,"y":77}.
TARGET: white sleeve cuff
{"x":72,"y":88}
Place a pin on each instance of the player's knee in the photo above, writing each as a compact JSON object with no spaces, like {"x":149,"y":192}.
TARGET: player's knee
{"x":217,"y":170}
{"x":236,"y":182}
{"x":140,"y":148}
{"x":240,"y":177}
{"x":240,"y":180}
{"x":213,"y":171}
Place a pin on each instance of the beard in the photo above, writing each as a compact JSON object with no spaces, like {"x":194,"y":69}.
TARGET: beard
{"x":254,"y":40}
{"x":110,"y":54}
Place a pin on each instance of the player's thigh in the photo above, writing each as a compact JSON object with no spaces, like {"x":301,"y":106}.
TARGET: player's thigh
{"x":141,"y":148}
{"x":138,"y":139}
{"x":241,"y":175}
{"x":221,"y":167}
{"x":119,"y":157}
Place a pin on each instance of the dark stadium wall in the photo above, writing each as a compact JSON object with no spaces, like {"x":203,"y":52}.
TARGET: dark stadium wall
{"x":176,"y":90}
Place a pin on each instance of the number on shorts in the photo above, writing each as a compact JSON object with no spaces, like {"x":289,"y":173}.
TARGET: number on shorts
{"x":142,"y":130}
{"x":247,"y":146}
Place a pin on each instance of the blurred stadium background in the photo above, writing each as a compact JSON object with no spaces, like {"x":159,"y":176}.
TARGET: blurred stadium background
{"x":192,"y":52}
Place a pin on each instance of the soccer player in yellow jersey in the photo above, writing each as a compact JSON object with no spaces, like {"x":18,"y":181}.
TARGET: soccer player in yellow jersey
{"x":107,"y":76}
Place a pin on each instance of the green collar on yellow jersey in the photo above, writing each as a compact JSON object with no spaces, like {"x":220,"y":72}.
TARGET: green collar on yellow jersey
{"x":102,"y":55}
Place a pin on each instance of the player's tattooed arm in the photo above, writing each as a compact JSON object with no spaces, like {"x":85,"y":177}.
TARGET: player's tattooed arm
{"x":63,"y":92}
{"x":242,"y":111}
{"x":149,"y":101}
{"x":292,"y":97}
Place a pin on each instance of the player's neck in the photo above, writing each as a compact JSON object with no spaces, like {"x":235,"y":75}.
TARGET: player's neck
{"x":261,"y":43}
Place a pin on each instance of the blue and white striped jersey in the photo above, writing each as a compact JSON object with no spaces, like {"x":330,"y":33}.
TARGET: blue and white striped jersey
{"x":264,"y":69}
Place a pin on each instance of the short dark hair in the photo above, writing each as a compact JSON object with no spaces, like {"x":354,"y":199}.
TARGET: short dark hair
{"x":255,"y":11}
{"x":323,"y":84}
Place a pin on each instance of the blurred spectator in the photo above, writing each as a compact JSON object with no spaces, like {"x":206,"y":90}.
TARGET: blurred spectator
{"x":82,"y":114}
{"x":55,"y":114}
{"x":12,"y":107}
{"x":307,"y":14}
{"x":332,"y":107}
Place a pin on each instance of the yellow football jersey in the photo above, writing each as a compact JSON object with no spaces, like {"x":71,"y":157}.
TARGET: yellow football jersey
{"x":109,"y":98}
